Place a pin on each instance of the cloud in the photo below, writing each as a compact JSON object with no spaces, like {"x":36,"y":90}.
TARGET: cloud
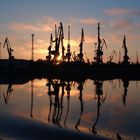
{"x":90,"y":39}
{"x":121,"y":11}
{"x":135,"y":12}
{"x":46,"y":24}
{"x":89,"y":21}
{"x":116,"y":11}
{"x":23,"y":26}
{"x":123,"y":23}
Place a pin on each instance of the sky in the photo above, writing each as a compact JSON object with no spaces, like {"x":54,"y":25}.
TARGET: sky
{"x":19,"y":19}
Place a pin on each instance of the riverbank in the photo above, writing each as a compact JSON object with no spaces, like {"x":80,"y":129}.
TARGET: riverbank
{"x":15,"y":127}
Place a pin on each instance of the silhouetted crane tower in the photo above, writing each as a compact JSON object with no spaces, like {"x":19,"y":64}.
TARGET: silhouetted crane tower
{"x":125,"y":57}
{"x":68,"y":54}
{"x":59,"y":36}
{"x":9,"y":49}
{"x":80,"y":55}
{"x":32,"y":53}
{"x":99,"y":51}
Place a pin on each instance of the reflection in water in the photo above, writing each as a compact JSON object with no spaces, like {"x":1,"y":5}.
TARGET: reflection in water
{"x":80,"y":88}
{"x":6,"y":95}
{"x":63,"y":105}
{"x":55,"y":100}
{"x":56,"y":103}
{"x":50,"y":98}
{"x":100,"y":99}
{"x":125,"y":85}
{"x":118,"y":136}
{"x":68,"y":89}
{"x":32,"y":98}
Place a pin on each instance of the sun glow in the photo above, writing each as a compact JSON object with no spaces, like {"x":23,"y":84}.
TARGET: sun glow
{"x":59,"y":58}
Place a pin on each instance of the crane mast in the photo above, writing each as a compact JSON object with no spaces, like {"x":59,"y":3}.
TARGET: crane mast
{"x":62,"y":43}
{"x":99,"y":51}
{"x":80,"y":55}
{"x":68,"y":54}
{"x":32,"y":47}
{"x":125,"y":57}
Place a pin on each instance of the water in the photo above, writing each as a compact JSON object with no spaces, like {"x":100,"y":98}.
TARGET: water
{"x":102,"y":108}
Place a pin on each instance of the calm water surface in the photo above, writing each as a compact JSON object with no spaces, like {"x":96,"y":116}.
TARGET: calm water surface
{"x":104,"y":108}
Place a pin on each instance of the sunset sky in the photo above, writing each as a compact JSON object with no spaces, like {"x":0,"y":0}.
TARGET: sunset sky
{"x":20,"y":18}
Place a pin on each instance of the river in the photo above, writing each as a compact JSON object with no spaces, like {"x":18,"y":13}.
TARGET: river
{"x":101,"y":108}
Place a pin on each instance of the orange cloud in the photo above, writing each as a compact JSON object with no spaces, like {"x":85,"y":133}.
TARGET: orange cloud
{"x":122,"y":11}
{"x":46,"y":24}
{"x":23,"y":26}
{"x":116,"y":11}
{"x":89,"y":21}
{"x":90,"y":39}
{"x":121,"y":23}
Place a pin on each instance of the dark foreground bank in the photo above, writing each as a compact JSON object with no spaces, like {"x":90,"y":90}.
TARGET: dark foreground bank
{"x":13,"y":127}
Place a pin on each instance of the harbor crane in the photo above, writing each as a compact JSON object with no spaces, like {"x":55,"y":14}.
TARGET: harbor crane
{"x":59,"y":36}
{"x":80,"y":55}
{"x":9,"y":49}
{"x":99,"y":51}
{"x":125,"y":57}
